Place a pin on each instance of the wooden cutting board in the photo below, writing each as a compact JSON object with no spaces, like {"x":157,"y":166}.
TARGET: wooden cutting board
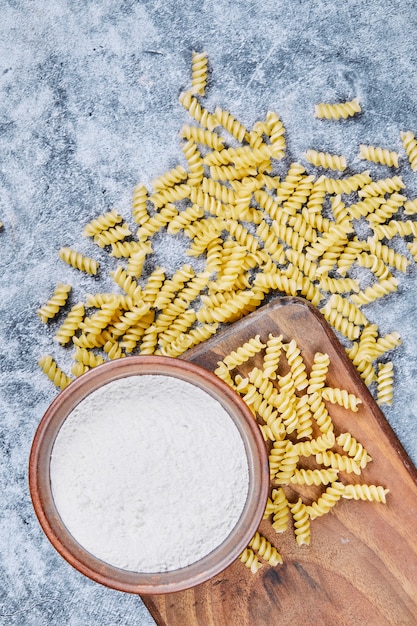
{"x":361,"y":565}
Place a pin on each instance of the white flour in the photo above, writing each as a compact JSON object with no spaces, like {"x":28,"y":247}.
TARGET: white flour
{"x":149,"y":473}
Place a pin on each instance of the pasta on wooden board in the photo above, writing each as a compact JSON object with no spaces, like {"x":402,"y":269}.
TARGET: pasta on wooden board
{"x":278,"y":405}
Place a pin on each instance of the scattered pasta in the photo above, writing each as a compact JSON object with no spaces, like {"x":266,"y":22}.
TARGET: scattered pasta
{"x":252,"y":232}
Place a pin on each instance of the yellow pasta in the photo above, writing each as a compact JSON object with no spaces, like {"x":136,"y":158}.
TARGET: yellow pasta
{"x":88,"y":358}
{"x":281,"y":514}
{"x":301,"y":519}
{"x":71,"y":324}
{"x":410,"y":146}
{"x":337,"y":110}
{"x":327,"y":500}
{"x":77,"y":260}
{"x":139,"y":204}
{"x":230,"y":124}
{"x":272,"y":356}
{"x":338,"y":461}
{"x":314,"y":477}
{"x":377,"y":290}
{"x":385,"y":383}
{"x":261,"y":545}
{"x":372,"y":493}
{"x":58,"y":299}
{"x":199,"y":113}
{"x":354,"y":449}
{"x":381,"y":187}
{"x":318,"y":372}
{"x":199,"y":73}
{"x":251,"y":561}
{"x":103,"y":222}
{"x":342,"y":397}
{"x":111,"y":235}
{"x":378,"y":155}
{"x":326,"y":160}
{"x":54,"y":372}
{"x":297,"y":365}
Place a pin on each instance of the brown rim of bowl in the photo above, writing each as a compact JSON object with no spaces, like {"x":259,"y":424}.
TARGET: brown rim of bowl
{"x":138,"y":582}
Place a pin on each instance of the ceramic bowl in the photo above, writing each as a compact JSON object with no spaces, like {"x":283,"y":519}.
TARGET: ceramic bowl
{"x":140,"y":582}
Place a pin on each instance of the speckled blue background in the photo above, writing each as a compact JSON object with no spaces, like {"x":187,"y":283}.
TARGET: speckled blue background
{"x":88,"y":108}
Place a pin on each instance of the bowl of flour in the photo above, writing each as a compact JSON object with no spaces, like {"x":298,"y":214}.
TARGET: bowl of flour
{"x":149,"y":474}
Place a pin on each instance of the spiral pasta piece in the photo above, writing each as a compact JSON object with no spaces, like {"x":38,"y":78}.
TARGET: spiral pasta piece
{"x":337,"y":110}
{"x":287,"y":465}
{"x":378,"y":155}
{"x":338,"y":285}
{"x":95,"y":324}
{"x":327,"y":500}
{"x":139,"y":204}
{"x":272,"y":356}
{"x":301,"y":519}
{"x":371,"y":493}
{"x":71,"y":324}
{"x":111,"y":235}
{"x":374,"y":264}
{"x":54,"y":372}
{"x":297,"y":365}
{"x":121,"y":249}
{"x":341,"y":397}
{"x":265,"y":550}
{"x":270,"y":241}
{"x":314,"y":477}
{"x":385,"y":387}
{"x":373,"y":292}
{"x":347,"y":309}
{"x":244,"y":352}
{"x":135,"y":263}
{"x":129,"y":318}
{"x":326,"y":160}
{"x":199,"y":113}
{"x":202,"y":136}
{"x":77,"y":260}
{"x":381,"y":187}
{"x":282,"y":510}
{"x":354,"y":449}
{"x":386,"y":210}
{"x":276,"y":455}
{"x":199,"y":73}
{"x":230,"y":124}
{"x":348,"y":185}
{"x":338,"y":461}
{"x":170,"y":178}
{"x":103,"y":222}
{"x":130,"y":339}
{"x":53,"y":305}
{"x":251,"y":561}
{"x":88,"y":358}
{"x":388,"y":255}
{"x":113,"y":349}
{"x":319,"y":368}
{"x":410,"y":146}
{"x":127,"y":283}
{"x":314,"y":446}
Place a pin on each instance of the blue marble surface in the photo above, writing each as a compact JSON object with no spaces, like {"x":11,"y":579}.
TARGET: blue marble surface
{"x":89,"y":108}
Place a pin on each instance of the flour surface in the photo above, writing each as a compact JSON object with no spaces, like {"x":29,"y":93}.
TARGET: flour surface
{"x":149,"y":473}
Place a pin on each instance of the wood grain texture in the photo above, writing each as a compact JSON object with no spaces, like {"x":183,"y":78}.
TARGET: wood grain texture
{"x":361,"y":565}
